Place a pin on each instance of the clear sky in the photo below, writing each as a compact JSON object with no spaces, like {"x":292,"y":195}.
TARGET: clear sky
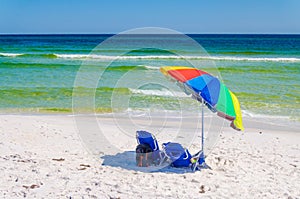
{"x":113,"y":16}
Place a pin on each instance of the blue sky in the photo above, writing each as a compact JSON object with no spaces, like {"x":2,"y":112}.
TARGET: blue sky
{"x":113,"y":16}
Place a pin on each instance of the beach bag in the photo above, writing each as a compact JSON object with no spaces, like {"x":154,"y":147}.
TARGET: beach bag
{"x":147,"y":151}
{"x":143,"y":155}
{"x":179,"y":156}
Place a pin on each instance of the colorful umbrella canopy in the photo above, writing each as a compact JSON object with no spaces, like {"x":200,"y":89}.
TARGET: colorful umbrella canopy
{"x":216,"y":96}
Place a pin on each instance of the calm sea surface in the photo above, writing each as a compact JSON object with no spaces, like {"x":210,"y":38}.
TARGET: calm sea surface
{"x":37,"y":72}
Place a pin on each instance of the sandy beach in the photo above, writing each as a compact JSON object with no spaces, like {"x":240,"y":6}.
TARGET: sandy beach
{"x":80,"y":81}
{"x":44,"y":156}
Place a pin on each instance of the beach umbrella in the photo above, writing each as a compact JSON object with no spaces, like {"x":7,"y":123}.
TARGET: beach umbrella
{"x":212,"y":93}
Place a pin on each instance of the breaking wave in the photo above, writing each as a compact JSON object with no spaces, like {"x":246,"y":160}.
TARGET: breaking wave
{"x":136,"y":57}
{"x":165,"y":93}
{"x":218,"y":58}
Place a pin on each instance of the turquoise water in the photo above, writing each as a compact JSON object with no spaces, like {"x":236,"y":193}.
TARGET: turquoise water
{"x":38,"y":71}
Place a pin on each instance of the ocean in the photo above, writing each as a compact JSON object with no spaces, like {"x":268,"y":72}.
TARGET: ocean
{"x":39,"y":72}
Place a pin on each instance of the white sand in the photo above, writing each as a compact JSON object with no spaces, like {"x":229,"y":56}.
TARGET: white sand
{"x":44,"y":156}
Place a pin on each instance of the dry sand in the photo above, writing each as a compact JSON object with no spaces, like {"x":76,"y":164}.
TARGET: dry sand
{"x":43,"y":156}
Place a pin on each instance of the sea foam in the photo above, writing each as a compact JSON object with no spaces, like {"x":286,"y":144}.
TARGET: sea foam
{"x":10,"y":54}
{"x":165,"y":93}
{"x":112,"y":57}
{"x":218,"y":58}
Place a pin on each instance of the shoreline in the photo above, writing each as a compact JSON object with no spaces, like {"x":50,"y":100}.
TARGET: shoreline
{"x":265,"y":120}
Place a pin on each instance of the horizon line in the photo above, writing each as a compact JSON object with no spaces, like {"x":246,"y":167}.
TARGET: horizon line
{"x":191,"y":33}
{"x":112,"y":33}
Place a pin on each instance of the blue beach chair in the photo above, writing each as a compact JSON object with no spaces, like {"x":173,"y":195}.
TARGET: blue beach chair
{"x":149,"y":154}
{"x":179,"y":156}
{"x":147,"y":151}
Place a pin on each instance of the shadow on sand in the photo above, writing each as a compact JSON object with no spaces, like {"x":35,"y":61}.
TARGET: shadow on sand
{"x":126,"y":160}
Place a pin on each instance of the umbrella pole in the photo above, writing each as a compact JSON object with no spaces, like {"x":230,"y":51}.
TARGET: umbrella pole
{"x":200,"y":161}
{"x":202,"y":158}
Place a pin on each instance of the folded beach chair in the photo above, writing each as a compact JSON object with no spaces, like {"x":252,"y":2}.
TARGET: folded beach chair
{"x":178,"y":156}
{"x":147,"y":151}
{"x":149,"y":154}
